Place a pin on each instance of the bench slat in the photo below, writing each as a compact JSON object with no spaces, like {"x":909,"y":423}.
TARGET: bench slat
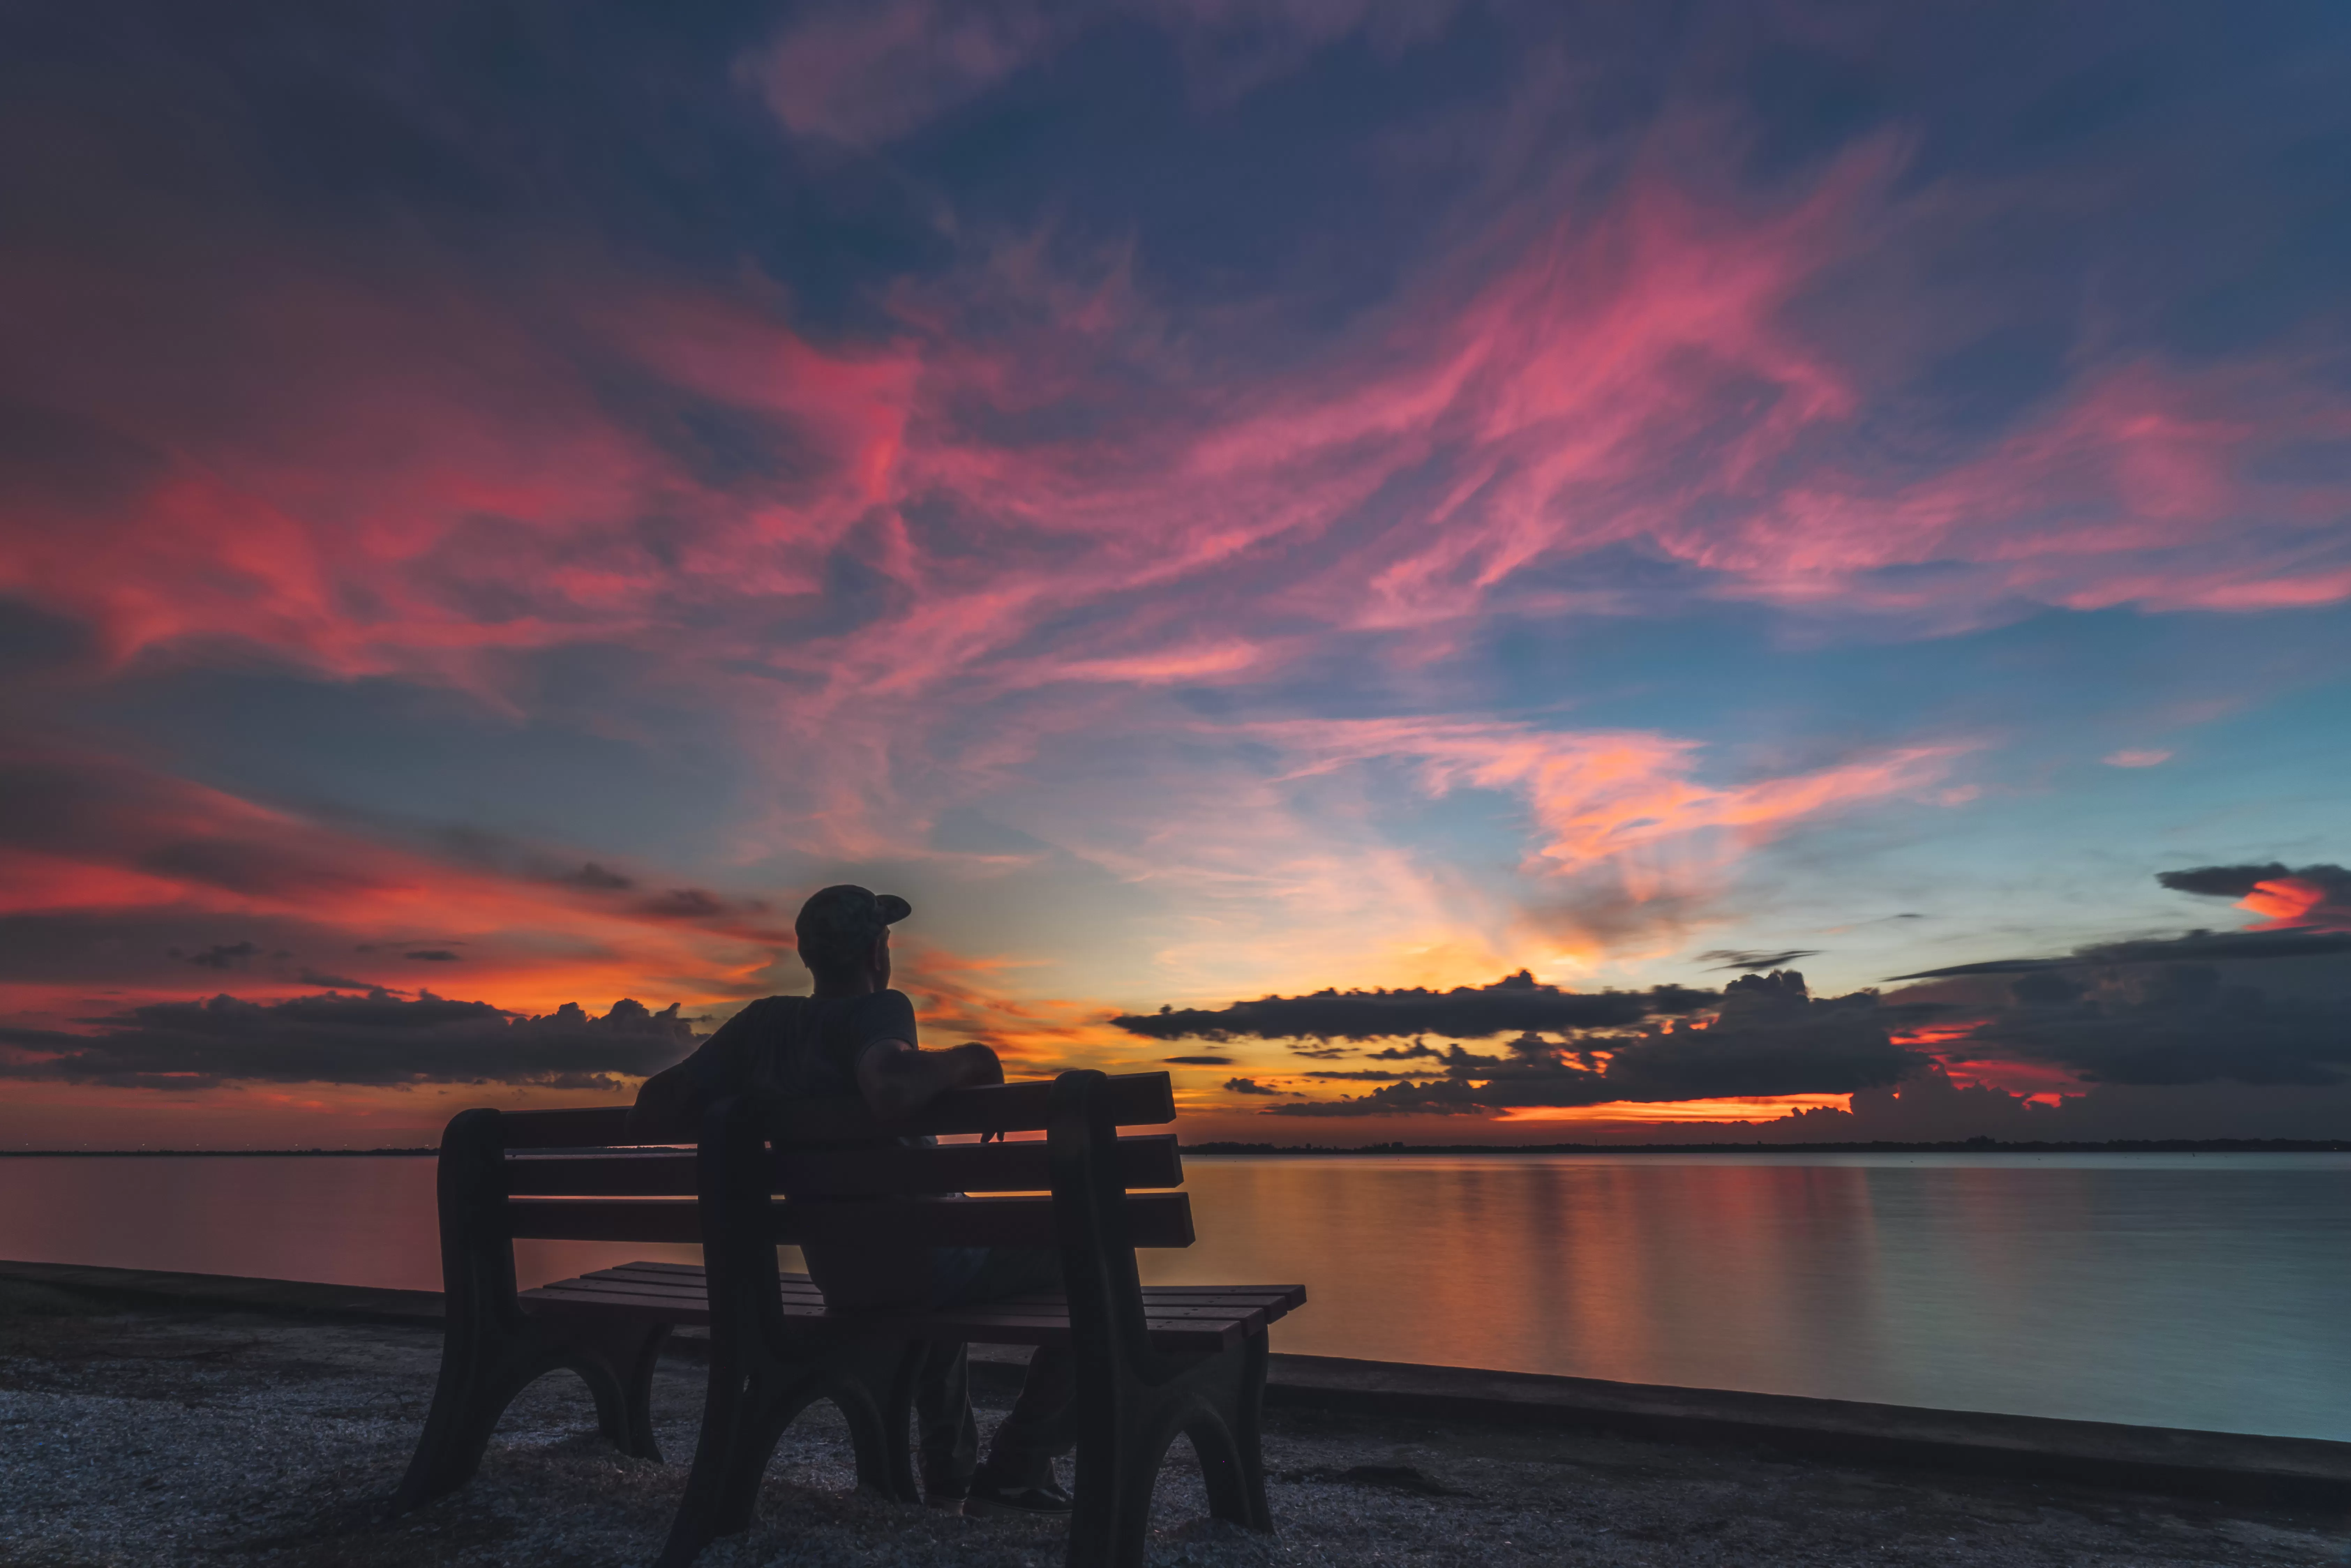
{"x":585,"y":1127}
{"x":986,"y":1327}
{"x":628,"y":1309}
{"x":1276,"y":1299}
{"x":661,"y":1308}
{"x":1154,"y":1218}
{"x":688,"y":1278}
{"x":692,"y":1306}
{"x":1136,"y":1100}
{"x":1190,"y":1330}
{"x":603,"y":1219}
{"x":630,"y":1287}
{"x":1145,"y":1161}
{"x":696,"y":1269}
{"x":665,"y":1174}
{"x":1153,"y":1161}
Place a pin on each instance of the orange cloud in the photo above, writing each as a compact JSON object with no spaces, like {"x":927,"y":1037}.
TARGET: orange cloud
{"x":1761,"y":1108}
{"x":2288,"y":901}
{"x":126,"y":860}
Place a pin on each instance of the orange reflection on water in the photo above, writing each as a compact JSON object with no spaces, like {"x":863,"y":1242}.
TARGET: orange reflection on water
{"x":1613,"y":1269}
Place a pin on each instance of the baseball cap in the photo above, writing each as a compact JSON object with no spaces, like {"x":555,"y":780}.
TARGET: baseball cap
{"x":838,"y":923}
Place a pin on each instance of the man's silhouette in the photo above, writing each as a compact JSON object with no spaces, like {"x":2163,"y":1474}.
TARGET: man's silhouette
{"x":855,"y":1036}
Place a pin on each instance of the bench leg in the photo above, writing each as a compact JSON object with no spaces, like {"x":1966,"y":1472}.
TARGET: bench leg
{"x":1115,"y":1472}
{"x":481,"y":1372}
{"x":718,"y":1491}
{"x":617,"y":1362}
{"x":746,"y":1415}
{"x":1216,"y":1401}
{"x":1228,"y":1438}
{"x":694,"y":1526}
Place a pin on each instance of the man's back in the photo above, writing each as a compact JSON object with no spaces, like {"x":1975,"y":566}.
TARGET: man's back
{"x":807,"y":1049}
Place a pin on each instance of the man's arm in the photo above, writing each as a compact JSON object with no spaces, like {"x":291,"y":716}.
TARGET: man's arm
{"x":898,"y":1079}
{"x":670,"y":1103}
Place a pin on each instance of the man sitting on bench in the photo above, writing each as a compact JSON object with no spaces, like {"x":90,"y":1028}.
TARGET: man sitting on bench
{"x":855,"y":1036}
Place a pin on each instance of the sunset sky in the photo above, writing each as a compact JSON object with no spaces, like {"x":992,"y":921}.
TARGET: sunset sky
{"x":1214,"y":502}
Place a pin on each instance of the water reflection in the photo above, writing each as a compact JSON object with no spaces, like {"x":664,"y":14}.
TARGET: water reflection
{"x":2190,"y":1291}
{"x":2196,"y":1291}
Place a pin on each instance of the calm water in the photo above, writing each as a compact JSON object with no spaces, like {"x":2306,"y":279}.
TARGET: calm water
{"x":2207,"y":1291}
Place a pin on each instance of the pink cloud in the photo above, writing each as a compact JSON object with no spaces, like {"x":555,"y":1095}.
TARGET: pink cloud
{"x":1622,"y":798}
{"x":381,"y":469}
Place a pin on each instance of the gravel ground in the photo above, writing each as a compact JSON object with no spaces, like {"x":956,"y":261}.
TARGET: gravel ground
{"x":229,"y":1438}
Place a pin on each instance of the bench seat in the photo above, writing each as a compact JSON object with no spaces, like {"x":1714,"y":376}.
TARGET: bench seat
{"x":1180,"y":1319}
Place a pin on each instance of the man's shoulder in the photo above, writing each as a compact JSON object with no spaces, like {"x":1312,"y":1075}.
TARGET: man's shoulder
{"x":761,"y":1018}
{"x":889,"y":1006}
{"x":855,"y":1022}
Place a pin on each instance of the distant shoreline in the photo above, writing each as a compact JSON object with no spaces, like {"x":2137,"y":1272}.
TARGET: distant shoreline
{"x":1969,"y":1146}
{"x":1307,"y":1151}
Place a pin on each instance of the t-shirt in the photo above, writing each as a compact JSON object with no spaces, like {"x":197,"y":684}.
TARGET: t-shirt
{"x":803,"y":1047}
{"x":807,"y":1048}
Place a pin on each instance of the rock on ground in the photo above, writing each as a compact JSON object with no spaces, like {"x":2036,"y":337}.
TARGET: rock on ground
{"x":162,"y":1438}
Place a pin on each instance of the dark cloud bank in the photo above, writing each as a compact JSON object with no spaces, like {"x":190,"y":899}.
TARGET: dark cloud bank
{"x":378,"y":1039}
{"x":2240,"y":1015}
{"x":2197,"y":945}
{"x":1512,"y":1005}
{"x":1770,"y":1037}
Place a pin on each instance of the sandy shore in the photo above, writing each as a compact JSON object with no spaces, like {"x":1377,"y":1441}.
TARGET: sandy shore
{"x":157,"y":1438}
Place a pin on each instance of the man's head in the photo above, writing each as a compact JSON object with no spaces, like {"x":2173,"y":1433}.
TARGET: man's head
{"x":844,"y":933}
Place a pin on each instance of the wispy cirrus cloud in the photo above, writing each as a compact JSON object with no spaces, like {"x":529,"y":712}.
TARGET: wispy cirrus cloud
{"x":1626,"y":799}
{"x":1515,"y":1004}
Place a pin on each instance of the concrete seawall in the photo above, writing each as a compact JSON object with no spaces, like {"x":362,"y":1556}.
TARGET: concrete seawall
{"x":2235,"y":1466}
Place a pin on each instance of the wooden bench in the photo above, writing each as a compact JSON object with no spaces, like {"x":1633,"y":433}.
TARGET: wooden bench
{"x":1153,"y":1364}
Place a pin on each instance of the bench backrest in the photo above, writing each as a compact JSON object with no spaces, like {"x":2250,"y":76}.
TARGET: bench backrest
{"x":835,"y":1191}
{"x":1089,"y":1216}
{"x":583,"y":1175}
